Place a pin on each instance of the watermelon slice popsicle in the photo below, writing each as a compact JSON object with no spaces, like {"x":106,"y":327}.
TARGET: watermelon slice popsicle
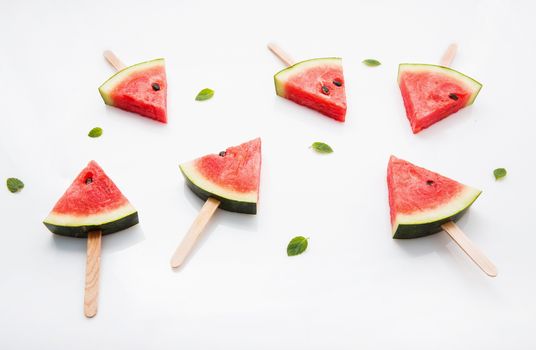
{"x":434,"y":92}
{"x":423,"y":202}
{"x":91,"y":207}
{"x":317,"y":83}
{"x":141,"y":88}
{"x":228,"y":180}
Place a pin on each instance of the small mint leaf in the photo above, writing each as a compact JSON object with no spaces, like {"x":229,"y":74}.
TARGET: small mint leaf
{"x":297,"y":245}
{"x":499,"y":173}
{"x":321,"y":147}
{"x":14,"y":185}
{"x":371,"y":62}
{"x":204,"y":94}
{"x":95,"y":132}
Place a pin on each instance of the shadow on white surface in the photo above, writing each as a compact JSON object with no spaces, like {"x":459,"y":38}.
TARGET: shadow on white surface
{"x":218,"y":222}
{"x":243,"y":222}
{"x":123,"y":116}
{"x":435,"y":243}
{"x":110,"y":243}
{"x":444,"y":247}
{"x":418,"y":247}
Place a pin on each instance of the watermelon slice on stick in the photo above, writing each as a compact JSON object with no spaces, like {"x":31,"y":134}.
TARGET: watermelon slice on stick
{"x":423,"y":202}
{"x":91,"y":207}
{"x":141,"y":88}
{"x":317,"y":83}
{"x":434,"y":92}
{"x":228,"y":180}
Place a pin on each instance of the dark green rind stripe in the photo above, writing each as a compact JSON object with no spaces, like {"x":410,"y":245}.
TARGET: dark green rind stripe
{"x":225,"y":203}
{"x":107,"y":228}
{"x":421,"y":230}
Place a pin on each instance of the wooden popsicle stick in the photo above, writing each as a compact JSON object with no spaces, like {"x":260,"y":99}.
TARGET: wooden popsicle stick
{"x":469,"y":248}
{"x":188,"y":242}
{"x":450,"y":227}
{"x":91,"y":295}
{"x":449,"y":55}
{"x":282,"y":55}
{"x":114,"y":60}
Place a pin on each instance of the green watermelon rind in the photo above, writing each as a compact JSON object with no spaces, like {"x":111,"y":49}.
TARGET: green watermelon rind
{"x":245,"y":203}
{"x":429,"y":222}
{"x":79,"y":226}
{"x":108,"y":86}
{"x":473,"y":85}
{"x":282,"y":76}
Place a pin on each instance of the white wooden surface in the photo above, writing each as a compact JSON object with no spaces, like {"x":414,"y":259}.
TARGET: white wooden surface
{"x":355,"y":287}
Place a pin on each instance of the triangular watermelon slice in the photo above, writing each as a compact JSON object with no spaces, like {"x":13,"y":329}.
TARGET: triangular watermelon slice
{"x":232,"y":177}
{"x":317,"y":84}
{"x":141,"y":88}
{"x":421,"y":200}
{"x":432,"y":92}
{"x":91,"y":203}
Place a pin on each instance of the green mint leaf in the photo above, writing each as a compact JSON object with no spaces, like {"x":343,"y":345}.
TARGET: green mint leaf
{"x":371,"y":62}
{"x":499,"y":173}
{"x":204,"y":94}
{"x":14,"y":185}
{"x":95,"y":132}
{"x":322,"y":147}
{"x":297,"y":245}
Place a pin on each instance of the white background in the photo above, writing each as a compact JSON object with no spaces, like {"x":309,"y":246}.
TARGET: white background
{"x":355,"y":287}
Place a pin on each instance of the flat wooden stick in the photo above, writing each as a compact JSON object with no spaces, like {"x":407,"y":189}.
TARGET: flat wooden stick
{"x":91,"y":296}
{"x":282,"y":55}
{"x":114,"y":60}
{"x":449,"y":55}
{"x":188,"y":242}
{"x":450,"y":227}
{"x":469,"y":248}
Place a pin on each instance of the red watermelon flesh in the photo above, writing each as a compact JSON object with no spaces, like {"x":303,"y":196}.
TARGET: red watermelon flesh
{"x":90,"y":193}
{"x":232,"y":176}
{"x":141,"y":89}
{"x":432,"y":93}
{"x":421,"y":200}
{"x":91,"y":201}
{"x":238,"y":169}
{"x":317,"y":84}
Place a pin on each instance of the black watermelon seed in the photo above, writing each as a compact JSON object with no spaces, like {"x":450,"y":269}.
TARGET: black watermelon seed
{"x":429,"y":182}
{"x":325,"y":90}
{"x":223,"y":153}
{"x":453,"y":97}
{"x":155,"y":86}
{"x":89,"y":180}
{"x":337,"y":82}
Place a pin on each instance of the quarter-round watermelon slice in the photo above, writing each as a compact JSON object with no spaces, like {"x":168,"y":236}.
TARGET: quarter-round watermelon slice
{"x":232,"y":177}
{"x":317,"y":84}
{"x":92,"y":202}
{"x":433,"y":92}
{"x":141,"y":88}
{"x":421,"y":200}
